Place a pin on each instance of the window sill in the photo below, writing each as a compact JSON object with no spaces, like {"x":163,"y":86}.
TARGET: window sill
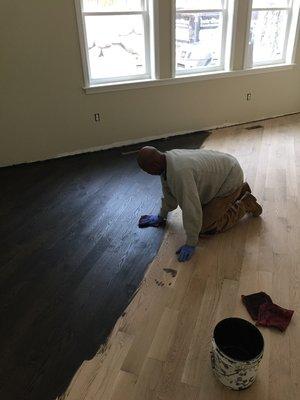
{"x":146,"y":83}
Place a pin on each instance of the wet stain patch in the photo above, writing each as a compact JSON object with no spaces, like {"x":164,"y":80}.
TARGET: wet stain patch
{"x":171,"y":271}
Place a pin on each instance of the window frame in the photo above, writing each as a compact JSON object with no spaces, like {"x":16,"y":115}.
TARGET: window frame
{"x":162,"y":57}
{"x":226,"y":41}
{"x":145,"y":12}
{"x":248,"y":63}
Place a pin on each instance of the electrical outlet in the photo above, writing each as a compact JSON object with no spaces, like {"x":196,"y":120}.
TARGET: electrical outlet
{"x":248,"y":96}
{"x":97,"y":117}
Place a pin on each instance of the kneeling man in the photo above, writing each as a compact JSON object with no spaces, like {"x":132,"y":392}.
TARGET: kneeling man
{"x":208,"y":186}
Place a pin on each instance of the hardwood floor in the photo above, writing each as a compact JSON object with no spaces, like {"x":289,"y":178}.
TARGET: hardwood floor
{"x":159,"y":348}
{"x":71,"y":256}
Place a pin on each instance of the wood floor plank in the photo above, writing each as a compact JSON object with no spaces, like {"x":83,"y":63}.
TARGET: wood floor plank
{"x":215,"y":306}
{"x":124,"y":386}
{"x":103,"y":370}
{"x":146,"y":386}
{"x":163,"y":335}
{"x":170,"y":384}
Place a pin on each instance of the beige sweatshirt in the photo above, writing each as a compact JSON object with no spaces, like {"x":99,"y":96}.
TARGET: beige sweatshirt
{"x":193,"y":178}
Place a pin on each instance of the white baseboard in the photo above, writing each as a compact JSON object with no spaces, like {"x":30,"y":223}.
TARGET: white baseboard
{"x":143,"y":140}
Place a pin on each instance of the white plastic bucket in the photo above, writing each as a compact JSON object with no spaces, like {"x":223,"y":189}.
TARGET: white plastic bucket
{"x":237,"y":349}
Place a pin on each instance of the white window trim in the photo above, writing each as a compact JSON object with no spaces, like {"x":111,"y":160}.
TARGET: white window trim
{"x":150,"y":67}
{"x":232,"y":7}
{"x":290,"y":35}
{"x":154,"y":80}
{"x":294,"y":33}
{"x":205,"y":76}
{"x":226,"y":39}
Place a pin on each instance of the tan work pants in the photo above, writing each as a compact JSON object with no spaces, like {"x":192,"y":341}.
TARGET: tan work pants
{"x":222,"y":213}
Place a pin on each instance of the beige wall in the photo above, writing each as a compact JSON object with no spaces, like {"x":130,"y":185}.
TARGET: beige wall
{"x":44,"y":111}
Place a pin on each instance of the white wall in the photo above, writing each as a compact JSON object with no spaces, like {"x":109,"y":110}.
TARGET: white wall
{"x":44,"y":111}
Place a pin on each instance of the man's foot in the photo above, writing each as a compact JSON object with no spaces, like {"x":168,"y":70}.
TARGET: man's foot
{"x":251,"y":205}
{"x":245,"y":188}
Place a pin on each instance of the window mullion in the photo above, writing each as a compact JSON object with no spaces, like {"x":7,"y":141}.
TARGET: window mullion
{"x":144,"y":5}
{"x":154,"y":39}
{"x":231,"y":16}
{"x":287,"y":34}
{"x":246,"y":47}
{"x":166,"y":33}
{"x":83,"y":42}
{"x":224,"y":30}
{"x":147,"y":42}
{"x":293,"y":31}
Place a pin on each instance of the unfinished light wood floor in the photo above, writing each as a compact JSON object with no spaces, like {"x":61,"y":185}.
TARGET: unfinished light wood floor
{"x":159,"y":349}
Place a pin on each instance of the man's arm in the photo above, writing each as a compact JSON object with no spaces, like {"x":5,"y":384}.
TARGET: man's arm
{"x":186,"y":192}
{"x":168,"y":201}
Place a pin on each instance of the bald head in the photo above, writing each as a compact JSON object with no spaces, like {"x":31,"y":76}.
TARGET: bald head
{"x":151,"y":160}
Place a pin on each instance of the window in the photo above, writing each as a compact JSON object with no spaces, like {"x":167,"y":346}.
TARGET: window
{"x":201,"y":30}
{"x":115,"y":40}
{"x":127,"y":43}
{"x":270,"y":32}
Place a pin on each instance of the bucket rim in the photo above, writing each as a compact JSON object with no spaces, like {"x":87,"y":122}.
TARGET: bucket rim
{"x":250,"y":361}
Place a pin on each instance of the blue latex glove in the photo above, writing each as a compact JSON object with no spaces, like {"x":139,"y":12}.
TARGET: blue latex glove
{"x":151,"y":220}
{"x":185,"y":253}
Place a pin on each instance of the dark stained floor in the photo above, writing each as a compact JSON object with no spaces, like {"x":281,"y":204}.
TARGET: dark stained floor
{"x":71,"y":257}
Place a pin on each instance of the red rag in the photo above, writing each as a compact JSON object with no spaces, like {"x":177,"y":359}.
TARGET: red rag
{"x":275,"y":316}
{"x":254,"y":301}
